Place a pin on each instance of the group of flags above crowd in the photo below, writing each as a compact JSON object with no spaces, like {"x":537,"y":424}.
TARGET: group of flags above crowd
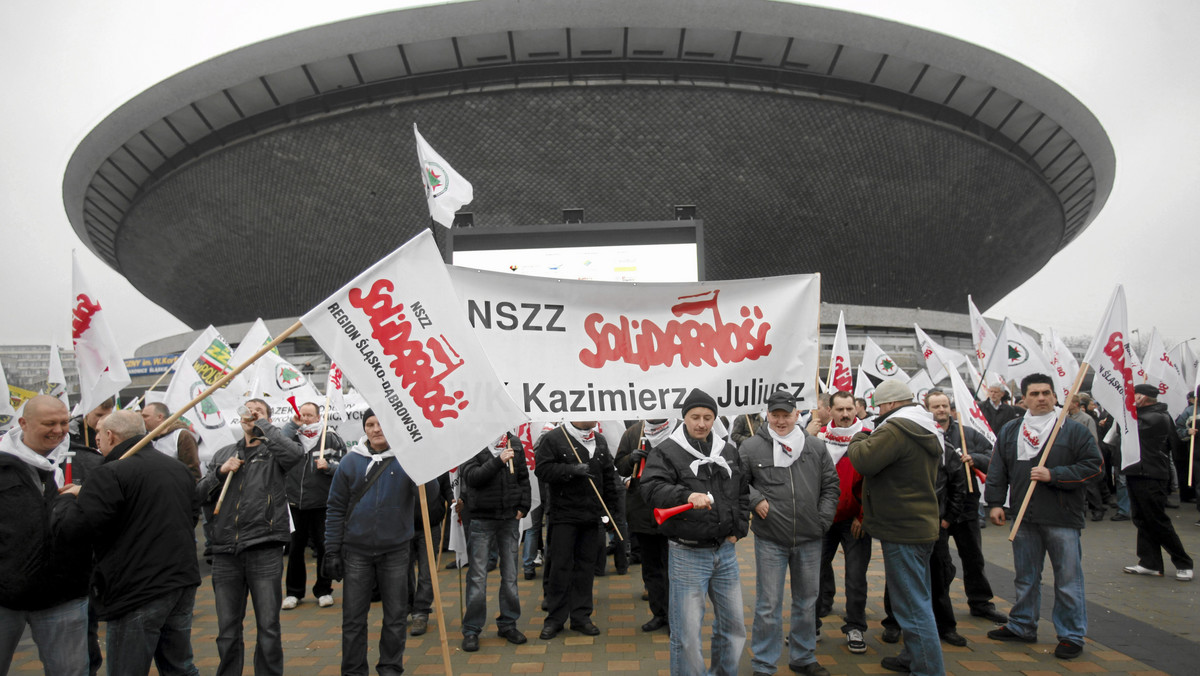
{"x":419,"y":340}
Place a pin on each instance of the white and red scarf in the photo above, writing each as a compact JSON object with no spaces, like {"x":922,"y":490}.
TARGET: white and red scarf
{"x":786,"y":449}
{"x":1035,"y":430}
{"x":837,"y":439}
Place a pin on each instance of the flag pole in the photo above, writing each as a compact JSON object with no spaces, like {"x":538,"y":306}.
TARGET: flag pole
{"x":1192,"y":448}
{"x":433,"y":577}
{"x":962,"y":433}
{"x":324,"y":426}
{"x":137,"y":401}
{"x":162,"y":427}
{"x":593,"y":483}
{"x":1062,"y":417}
{"x":508,"y":443}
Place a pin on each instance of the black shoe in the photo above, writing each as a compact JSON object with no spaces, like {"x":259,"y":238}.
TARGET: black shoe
{"x":530,"y":574}
{"x":586,"y":628}
{"x":491,"y":566}
{"x":512,"y":635}
{"x":549,"y":631}
{"x":1098,"y":515}
{"x":545,"y":605}
{"x":1119,"y":517}
{"x":894,"y":664}
{"x":646,"y":594}
{"x":954,"y":638}
{"x":1067,"y":650}
{"x":418,"y":626}
{"x":470,"y":643}
{"x":655,"y":624}
{"x":1006,"y":634}
{"x":890,"y":635}
{"x":810,"y":669}
{"x":990,"y":614}
{"x":623,"y":571}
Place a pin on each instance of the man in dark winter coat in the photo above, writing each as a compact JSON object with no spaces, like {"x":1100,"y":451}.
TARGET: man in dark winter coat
{"x":694,"y":466}
{"x":42,"y":585}
{"x":574,"y":464}
{"x":139,"y":514}
{"x":496,"y":481}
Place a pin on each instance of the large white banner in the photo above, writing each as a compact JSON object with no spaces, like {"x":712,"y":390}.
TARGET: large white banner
{"x":579,"y":350}
{"x":399,"y":334}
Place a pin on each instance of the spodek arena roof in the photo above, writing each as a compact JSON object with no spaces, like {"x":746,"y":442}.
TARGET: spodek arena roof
{"x":909,"y":168}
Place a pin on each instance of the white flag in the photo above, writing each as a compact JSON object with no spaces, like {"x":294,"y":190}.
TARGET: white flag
{"x":971,"y":415}
{"x":1113,"y":383}
{"x":272,"y":377}
{"x":982,"y":335}
{"x":920,"y":384}
{"x":458,"y":535}
{"x":215,"y":418}
{"x":840,"y":377}
{"x":56,"y":381}
{"x":8,"y":416}
{"x":445,"y":189}
{"x":399,"y":333}
{"x":1183,"y":357}
{"x":937,"y":357}
{"x":334,"y":389}
{"x":101,"y":370}
{"x":1062,"y":365}
{"x":1163,"y":372}
{"x":876,"y":366}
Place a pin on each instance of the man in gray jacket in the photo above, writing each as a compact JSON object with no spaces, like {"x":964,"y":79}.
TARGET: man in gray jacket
{"x":793,"y":494}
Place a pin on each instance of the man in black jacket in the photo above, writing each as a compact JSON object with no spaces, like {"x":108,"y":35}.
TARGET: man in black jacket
{"x":139,"y":515}
{"x":496,"y":482}
{"x":1147,"y":480}
{"x":42,"y":584}
{"x":638,"y":442}
{"x":694,"y":466}
{"x":996,"y":410}
{"x":574,"y":463}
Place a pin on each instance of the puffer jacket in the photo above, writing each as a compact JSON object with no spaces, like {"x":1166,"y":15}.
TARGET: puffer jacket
{"x":1073,"y":460}
{"x":668,"y":481}
{"x":899,"y":463}
{"x":255,"y":511}
{"x":802,"y":498}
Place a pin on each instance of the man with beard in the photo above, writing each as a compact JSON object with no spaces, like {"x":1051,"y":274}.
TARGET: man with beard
{"x":847,"y":529}
{"x":794,"y":494}
{"x":575,"y":465}
{"x":694,"y":466}
{"x":1053,"y":520}
{"x":637,"y":444}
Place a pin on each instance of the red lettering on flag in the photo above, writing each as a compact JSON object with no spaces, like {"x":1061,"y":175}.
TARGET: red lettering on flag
{"x":81,"y":316}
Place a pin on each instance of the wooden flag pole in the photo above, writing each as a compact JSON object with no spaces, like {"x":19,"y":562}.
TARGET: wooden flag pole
{"x":324,"y":426}
{"x":508,"y":443}
{"x":224,"y":490}
{"x":593,"y":483}
{"x":137,"y":401}
{"x":162,"y":427}
{"x":1192,"y":447}
{"x":433,"y":577}
{"x":962,"y":434}
{"x":1062,"y":417}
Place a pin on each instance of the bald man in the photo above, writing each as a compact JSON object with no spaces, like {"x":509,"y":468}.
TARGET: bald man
{"x":139,"y":515}
{"x":41,"y":585}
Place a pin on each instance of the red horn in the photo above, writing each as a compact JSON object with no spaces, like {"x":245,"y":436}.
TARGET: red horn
{"x":661,"y":515}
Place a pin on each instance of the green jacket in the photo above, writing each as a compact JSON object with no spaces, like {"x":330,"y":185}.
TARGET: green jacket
{"x":899,"y":464}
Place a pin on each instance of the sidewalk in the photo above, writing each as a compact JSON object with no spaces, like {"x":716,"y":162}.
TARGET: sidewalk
{"x":1137,"y":625}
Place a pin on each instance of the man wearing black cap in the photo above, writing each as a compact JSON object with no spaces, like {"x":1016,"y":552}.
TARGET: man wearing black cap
{"x":1147,"y":481}
{"x":694,"y":466}
{"x":794,"y":494}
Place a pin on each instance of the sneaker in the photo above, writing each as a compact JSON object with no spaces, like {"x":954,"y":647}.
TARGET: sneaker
{"x":890,"y":635}
{"x":290,"y":602}
{"x":1006,"y":634}
{"x":1184,"y":575}
{"x":418,"y":626}
{"x":537,"y":560}
{"x":1067,"y":650}
{"x":810,"y":669}
{"x":325,"y":601}
{"x":1139,"y":570}
{"x":855,"y":642}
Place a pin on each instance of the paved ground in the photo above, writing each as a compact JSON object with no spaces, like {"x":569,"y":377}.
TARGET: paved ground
{"x":1137,"y":625}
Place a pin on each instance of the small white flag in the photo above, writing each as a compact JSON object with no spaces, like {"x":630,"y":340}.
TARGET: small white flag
{"x":101,"y":370}
{"x":1165,"y":373}
{"x":982,"y":335}
{"x":56,"y":381}
{"x":876,"y":366}
{"x":840,"y":377}
{"x":1113,"y":384}
{"x":937,"y":357}
{"x":446,"y":190}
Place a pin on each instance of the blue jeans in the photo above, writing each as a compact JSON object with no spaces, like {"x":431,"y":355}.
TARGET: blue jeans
{"x":857,"y":558}
{"x":1030,"y":547}
{"x":1123,"y":506}
{"x":696,"y":573}
{"x":389,"y":571}
{"x":60,"y":633}
{"x":529,"y":549}
{"x":772,"y":562}
{"x":259,"y":572}
{"x":159,"y":632}
{"x":907,"y":569}
{"x":486,"y":534}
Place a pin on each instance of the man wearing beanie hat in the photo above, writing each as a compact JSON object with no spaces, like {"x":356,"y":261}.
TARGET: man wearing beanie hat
{"x":368,"y":534}
{"x":1147,"y":481}
{"x":899,"y":463}
{"x":694,"y":466}
{"x":794,"y":493}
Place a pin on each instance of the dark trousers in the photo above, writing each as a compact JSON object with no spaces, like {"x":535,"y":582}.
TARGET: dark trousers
{"x":420,"y":583}
{"x":1180,"y":458}
{"x":570,"y":572}
{"x":310,"y":528}
{"x":655,"y":557}
{"x":95,"y":655}
{"x":257,"y":572}
{"x":941,"y":574}
{"x":1148,"y":502}
{"x":158,"y":633}
{"x":364,"y":573}
{"x":857,"y":555}
{"x":968,"y":541}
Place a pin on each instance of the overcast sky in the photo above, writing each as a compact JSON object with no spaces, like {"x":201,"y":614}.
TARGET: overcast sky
{"x":67,"y":64}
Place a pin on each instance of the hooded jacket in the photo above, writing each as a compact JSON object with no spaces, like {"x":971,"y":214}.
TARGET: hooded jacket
{"x":255,"y":511}
{"x":899,"y":463}
{"x":802,"y":498}
{"x":1073,"y":460}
